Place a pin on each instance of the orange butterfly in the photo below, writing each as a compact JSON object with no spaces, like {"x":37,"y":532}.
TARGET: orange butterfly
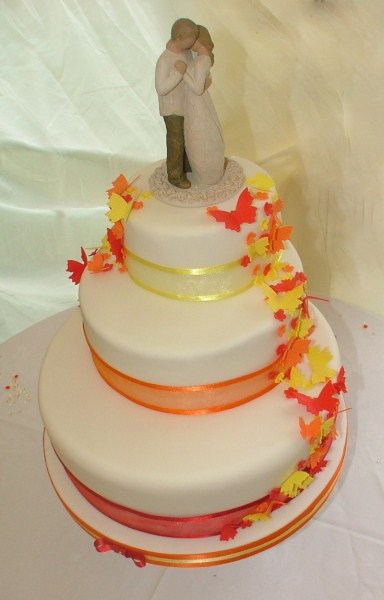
{"x":277,"y":235}
{"x":311,"y":430}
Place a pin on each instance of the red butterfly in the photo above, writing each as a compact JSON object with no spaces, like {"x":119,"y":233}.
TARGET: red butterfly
{"x":76,"y":268}
{"x":326,"y":400}
{"x":243,"y":213}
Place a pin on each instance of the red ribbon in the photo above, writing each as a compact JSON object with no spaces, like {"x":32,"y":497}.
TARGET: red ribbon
{"x":103,"y":545}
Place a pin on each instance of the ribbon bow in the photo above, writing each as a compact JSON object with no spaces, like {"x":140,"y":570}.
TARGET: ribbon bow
{"x":102,"y":545}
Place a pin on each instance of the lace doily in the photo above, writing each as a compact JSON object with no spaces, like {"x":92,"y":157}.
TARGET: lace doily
{"x":197,"y":195}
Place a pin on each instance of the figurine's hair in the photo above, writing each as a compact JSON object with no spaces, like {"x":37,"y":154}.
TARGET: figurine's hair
{"x":183,"y":28}
{"x":205,"y":37}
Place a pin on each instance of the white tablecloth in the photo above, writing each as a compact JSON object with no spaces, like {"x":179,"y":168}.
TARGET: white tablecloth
{"x":338,"y":555}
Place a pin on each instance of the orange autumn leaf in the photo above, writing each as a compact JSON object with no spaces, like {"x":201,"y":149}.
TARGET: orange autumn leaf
{"x":119,"y":185}
{"x":118,"y":230}
{"x":261,"y":195}
{"x":98,"y":263}
{"x":228,"y":533}
{"x":316,"y":457}
{"x":272,"y":209}
{"x":294,"y":352}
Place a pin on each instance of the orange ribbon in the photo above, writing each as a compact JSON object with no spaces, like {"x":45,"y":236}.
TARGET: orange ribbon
{"x":191,"y":399}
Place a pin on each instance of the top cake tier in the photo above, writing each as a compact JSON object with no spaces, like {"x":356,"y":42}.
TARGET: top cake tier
{"x":203,"y":252}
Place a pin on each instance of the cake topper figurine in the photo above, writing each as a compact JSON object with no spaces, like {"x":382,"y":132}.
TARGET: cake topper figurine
{"x":194,"y":139}
{"x":170,"y":87}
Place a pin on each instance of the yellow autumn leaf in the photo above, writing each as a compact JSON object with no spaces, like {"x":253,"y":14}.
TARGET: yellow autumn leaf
{"x":257,"y":517}
{"x":303,"y":327}
{"x":296,"y":482}
{"x":119,"y":209}
{"x":258,"y":248}
{"x":318,"y":359}
{"x":276,"y":268}
{"x":279,"y":377}
{"x":327,"y":426}
{"x":145,"y":195}
{"x":264,"y":224}
{"x":298,"y":380}
{"x":261,"y":181}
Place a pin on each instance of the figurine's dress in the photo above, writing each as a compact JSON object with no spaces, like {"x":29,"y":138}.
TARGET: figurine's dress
{"x":203,"y":138}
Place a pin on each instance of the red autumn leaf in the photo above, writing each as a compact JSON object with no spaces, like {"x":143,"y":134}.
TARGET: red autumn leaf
{"x":244,"y":212}
{"x":77,"y":268}
{"x":116,"y":245}
{"x":245,"y":260}
{"x":316,"y":458}
{"x":280,"y":315}
{"x":275,"y":495}
{"x":286,"y":285}
{"x":321,"y":464}
{"x":271,"y":209}
{"x":228,"y":532}
{"x":340,"y":385}
{"x":246,"y":523}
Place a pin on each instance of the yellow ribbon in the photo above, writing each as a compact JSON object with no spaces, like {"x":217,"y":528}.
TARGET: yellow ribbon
{"x":208,"y":283}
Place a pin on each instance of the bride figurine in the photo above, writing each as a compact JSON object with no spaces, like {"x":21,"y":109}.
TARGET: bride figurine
{"x":203,"y":137}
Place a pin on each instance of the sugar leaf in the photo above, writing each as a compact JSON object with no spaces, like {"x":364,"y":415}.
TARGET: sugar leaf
{"x":258,"y":247}
{"x":119,"y":185}
{"x":319,"y":359}
{"x":261,"y":181}
{"x":260,"y":516}
{"x":296,"y":482}
{"x":297,"y":379}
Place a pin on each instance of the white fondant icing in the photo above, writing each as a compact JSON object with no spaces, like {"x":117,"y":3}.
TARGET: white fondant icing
{"x":171,"y":342}
{"x":161,"y":463}
{"x":187,"y":237}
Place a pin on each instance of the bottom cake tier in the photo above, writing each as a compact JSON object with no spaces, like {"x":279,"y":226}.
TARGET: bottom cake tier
{"x":144,"y":548}
{"x":184,"y":476}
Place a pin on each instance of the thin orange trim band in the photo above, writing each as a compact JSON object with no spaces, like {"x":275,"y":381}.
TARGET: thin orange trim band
{"x":192,"y":399}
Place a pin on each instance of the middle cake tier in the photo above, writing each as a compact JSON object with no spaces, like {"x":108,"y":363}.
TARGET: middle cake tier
{"x":179,"y":356}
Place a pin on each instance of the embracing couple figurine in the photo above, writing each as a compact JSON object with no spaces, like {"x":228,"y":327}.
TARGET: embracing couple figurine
{"x":194,"y":139}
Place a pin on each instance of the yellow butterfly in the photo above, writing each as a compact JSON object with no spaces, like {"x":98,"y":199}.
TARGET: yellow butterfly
{"x":118,"y":208}
{"x":288,"y":301}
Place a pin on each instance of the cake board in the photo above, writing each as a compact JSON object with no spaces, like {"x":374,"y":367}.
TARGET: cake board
{"x":144,"y":548}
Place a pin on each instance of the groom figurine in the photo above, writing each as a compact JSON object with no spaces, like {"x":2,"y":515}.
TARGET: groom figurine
{"x":170,"y":88}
